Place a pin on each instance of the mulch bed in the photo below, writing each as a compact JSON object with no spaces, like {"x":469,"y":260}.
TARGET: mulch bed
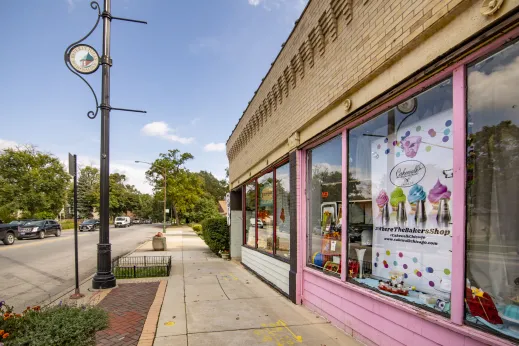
{"x":128,"y":307}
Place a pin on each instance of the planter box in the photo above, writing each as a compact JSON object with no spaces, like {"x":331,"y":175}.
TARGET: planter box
{"x":159,"y":244}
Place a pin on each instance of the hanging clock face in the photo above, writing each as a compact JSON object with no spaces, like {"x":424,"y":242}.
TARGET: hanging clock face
{"x":408,"y":106}
{"x":84,"y":59}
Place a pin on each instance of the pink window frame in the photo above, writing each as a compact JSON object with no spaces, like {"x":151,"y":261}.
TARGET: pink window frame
{"x":458,"y":73}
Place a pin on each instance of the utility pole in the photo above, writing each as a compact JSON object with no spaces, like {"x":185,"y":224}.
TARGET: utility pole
{"x":72,"y":168}
{"x":164,"y":222}
{"x":83,"y":59}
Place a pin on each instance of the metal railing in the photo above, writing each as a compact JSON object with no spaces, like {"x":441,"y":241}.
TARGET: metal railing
{"x":141,"y":267}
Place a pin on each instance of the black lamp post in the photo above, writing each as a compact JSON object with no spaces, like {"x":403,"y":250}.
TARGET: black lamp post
{"x":83,"y":59}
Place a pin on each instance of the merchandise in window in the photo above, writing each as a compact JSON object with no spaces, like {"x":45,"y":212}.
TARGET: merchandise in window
{"x":283,"y":211}
{"x":492,"y":274}
{"x":400,"y":193}
{"x":250,"y":214}
{"x":324,"y":207}
{"x":265,"y":216}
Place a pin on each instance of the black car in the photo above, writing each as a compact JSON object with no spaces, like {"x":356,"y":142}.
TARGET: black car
{"x":8,"y":234}
{"x":90,"y":225}
{"x":39,"y":229}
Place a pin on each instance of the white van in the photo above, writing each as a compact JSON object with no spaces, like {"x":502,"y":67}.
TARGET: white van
{"x":122,"y":221}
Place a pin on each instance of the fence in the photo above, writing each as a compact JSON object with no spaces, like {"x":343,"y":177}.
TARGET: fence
{"x":141,"y":267}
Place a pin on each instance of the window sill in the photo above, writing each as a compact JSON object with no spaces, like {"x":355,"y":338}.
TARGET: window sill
{"x":286,"y":260}
{"x":423,"y":314}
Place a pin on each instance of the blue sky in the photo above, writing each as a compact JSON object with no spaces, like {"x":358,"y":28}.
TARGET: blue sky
{"x":194,"y":68}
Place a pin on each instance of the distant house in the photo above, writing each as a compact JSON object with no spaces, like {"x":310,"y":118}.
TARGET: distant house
{"x":222,"y":208}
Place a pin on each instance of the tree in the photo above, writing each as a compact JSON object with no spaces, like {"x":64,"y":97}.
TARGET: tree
{"x":145,"y":206}
{"x":31,"y":181}
{"x":204,"y":208}
{"x":214,"y":187}
{"x":88,"y":191}
{"x":184,"y":188}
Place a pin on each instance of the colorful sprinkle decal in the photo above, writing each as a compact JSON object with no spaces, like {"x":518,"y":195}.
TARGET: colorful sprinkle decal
{"x":418,"y":128}
{"x":388,"y":252}
{"x":405,"y":276}
{"x":395,"y":263}
{"x":431,"y":283}
{"x":419,"y":274}
{"x":445,"y":139}
{"x":446,"y":132}
{"x":447,"y":271}
{"x":415,"y":259}
{"x":398,"y":154}
{"x":386,"y":140}
{"x":407,"y":134}
{"x":428,"y":148}
{"x":405,"y":266}
{"x":387,"y":151}
{"x":378,"y":254}
{"x":400,"y":254}
{"x":376,"y":264}
{"x":429,"y":270}
{"x":448,"y":123}
{"x":378,"y":146}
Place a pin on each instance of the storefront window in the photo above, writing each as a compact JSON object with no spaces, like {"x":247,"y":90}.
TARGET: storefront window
{"x":283,"y":211}
{"x":400,"y":192}
{"x":324,"y":206}
{"x":250,"y":214}
{"x":266,"y":212}
{"x":492,"y":290}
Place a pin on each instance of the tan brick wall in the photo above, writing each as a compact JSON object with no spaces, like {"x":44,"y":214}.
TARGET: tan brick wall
{"x":344,"y":49}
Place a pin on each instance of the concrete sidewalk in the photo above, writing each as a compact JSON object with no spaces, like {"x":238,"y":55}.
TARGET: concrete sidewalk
{"x":209,"y":301}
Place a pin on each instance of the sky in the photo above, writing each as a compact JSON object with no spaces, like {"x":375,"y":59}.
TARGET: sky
{"x":194,"y":67}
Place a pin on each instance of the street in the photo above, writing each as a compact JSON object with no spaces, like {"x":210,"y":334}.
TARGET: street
{"x":34,"y":270}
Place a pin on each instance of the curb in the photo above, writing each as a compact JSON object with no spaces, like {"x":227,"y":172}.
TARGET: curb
{"x":150,"y":326}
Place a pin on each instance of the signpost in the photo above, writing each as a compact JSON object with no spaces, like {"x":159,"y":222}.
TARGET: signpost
{"x":83,"y":59}
{"x":72,"y":169}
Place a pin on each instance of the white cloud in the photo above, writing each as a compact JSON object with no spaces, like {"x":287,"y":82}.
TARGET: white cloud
{"x":162,"y":130}
{"x":214,"y":147}
{"x":255,"y":2}
{"x":5,"y":144}
{"x":496,"y":90}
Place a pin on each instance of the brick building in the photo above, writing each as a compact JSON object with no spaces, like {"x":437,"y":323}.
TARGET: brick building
{"x":374,"y":173}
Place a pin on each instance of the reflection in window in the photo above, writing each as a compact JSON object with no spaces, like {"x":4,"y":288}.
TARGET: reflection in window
{"x":324,"y":206}
{"x":266,"y":212}
{"x":492,"y":292}
{"x":283,"y":211}
{"x":400,"y":201}
{"x":250,"y":214}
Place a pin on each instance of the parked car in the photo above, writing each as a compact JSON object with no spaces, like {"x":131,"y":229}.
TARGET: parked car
{"x":137,"y":221}
{"x":90,"y":225}
{"x":39,"y":229}
{"x":21,"y":222}
{"x":122,"y":221}
{"x":8,"y":233}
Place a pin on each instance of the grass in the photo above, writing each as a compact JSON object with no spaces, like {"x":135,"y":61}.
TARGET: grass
{"x":140,"y":272}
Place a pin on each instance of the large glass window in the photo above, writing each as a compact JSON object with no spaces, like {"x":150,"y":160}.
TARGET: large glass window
{"x":324,"y":206}
{"x":283,"y":211}
{"x":265,"y":216}
{"x":492,"y":292}
{"x":400,"y":196}
{"x":250,"y":214}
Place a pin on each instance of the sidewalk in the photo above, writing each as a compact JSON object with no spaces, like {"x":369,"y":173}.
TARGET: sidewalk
{"x":209,"y":301}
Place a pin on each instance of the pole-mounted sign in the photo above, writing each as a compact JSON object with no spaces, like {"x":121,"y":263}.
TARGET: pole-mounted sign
{"x":83,"y":59}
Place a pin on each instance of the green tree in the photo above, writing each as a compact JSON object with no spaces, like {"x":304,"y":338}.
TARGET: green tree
{"x":204,"y":208}
{"x":184,"y":188}
{"x":88,"y":192}
{"x":31,"y":181}
{"x":145,"y":206}
{"x":214,"y":187}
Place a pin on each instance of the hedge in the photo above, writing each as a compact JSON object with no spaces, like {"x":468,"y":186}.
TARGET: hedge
{"x":216,"y":234}
{"x":197,"y":228}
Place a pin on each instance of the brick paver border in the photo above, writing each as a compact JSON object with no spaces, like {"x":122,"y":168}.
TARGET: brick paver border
{"x":150,"y":326}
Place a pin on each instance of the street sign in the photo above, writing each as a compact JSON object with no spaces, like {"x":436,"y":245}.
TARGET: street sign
{"x":84,"y":59}
{"x":71,"y":164}
{"x":167,"y":211}
{"x":228,"y":202}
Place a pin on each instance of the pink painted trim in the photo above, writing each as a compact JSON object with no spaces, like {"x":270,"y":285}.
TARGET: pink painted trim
{"x":459,"y":202}
{"x":473,"y":333}
{"x":303,"y":207}
{"x":344,"y":200}
{"x":300,"y":228}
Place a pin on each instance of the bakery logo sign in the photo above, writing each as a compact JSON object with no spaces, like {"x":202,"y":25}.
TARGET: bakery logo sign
{"x":407,"y":173}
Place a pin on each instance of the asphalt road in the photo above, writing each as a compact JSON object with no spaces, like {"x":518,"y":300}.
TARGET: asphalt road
{"x":34,"y":270}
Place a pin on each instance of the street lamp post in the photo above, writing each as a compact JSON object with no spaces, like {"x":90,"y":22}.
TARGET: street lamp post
{"x":84,"y":59}
{"x":164,"y":175}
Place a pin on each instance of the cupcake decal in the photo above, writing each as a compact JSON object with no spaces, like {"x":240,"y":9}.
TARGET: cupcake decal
{"x":416,"y":194}
{"x":382,"y":200}
{"x":397,"y":196}
{"x":438,"y":192}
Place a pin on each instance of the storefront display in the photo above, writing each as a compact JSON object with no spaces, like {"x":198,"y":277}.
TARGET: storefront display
{"x":283,"y":211}
{"x":250,"y":214}
{"x":266,"y":212}
{"x":492,"y":193}
{"x":325,"y":207}
{"x":402,"y":164}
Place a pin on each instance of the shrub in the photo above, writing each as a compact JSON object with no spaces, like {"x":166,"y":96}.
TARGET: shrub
{"x":56,"y":325}
{"x":68,"y":224}
{"x":216,"y":234}
{"x":197,"y":228}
